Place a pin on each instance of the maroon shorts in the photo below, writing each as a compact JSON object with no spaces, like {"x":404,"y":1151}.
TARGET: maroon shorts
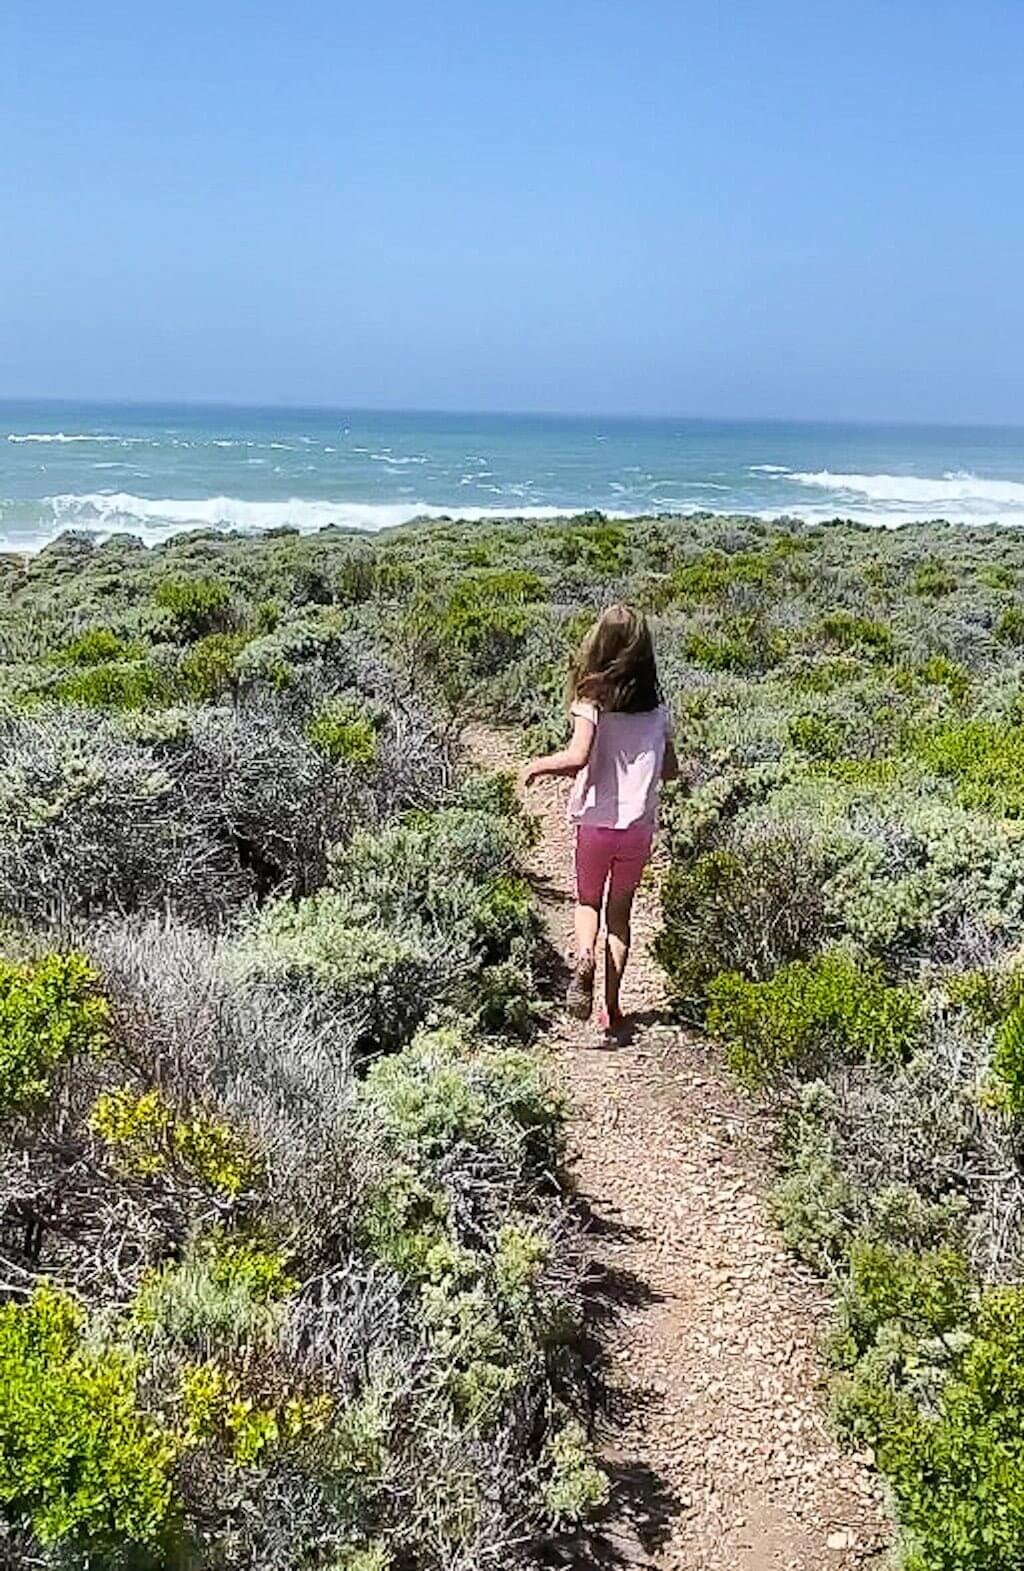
{"x":614,"y":858}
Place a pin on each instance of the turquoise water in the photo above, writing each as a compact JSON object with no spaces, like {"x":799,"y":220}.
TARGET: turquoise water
{"x":153,"y":471}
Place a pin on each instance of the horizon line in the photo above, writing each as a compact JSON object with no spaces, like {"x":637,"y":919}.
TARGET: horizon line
{"x":621,"y":416}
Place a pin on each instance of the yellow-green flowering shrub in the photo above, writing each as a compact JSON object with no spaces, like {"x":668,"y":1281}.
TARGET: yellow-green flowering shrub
{"x":50,"y":1012}
{"x":95,"y":646}
{"x":147,"y":1137}
{"x":80,"y":1462}
{"x":985,"y":759}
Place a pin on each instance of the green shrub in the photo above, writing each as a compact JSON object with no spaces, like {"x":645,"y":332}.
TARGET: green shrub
{"x":818,"y":735}
{"x":945,"y":1417}
{"x":50,"y":1013}
{"x":823,"y":676}
{"x":1008,"y":1062}
{"x":477,"y":629}
{"x":748,"y":907}
{"x":859,"y":634}
{"x":403,"y":1221}
{"x":739,"y":644}
{"x":711,"y":575}
{"x":814,"y":1203}
{"x":575,"y":1488}
{"x":985,"y":759}
{"x":926,"y":1294}
{"x":939,"y":671}
{"x":453,"y":868}
{"x":195,"y":607}
{"x":809,"y":1012}
{"x":96,"y":646}
{"x":385,"y":977}
{"x":79,"y":1462}
{"x":343,"y":731}
{"x":1009,"y":628}
{"x":356,"y":580}
{"x":210,"y":667}
{"x":932,"y":580}
{"x":602,"y":548}
{"x":424,"y":1097}
{"x":998,"y":576}
{"x":224,"y":1289}
{"x":137,"y":684}
{"x":436,"y":1093}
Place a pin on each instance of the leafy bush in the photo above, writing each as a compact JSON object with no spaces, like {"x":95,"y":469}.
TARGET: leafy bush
{"x":1009,"y":628}
{"x":1008,"y":1062}
{"x":386,"y":978}
{"x":195,"y":607}
{"x":932,"y":580}
{"x":50,"y":1013}
{"x":818,"y":735}
{"x":710,"y":575}
{"x":808,"y":1012}
{"x":79,"y":1462}
{"x":738,"y":644}
{"x":576,"y":1487}
{"x":923,"y":1294}
{"x":345,"y":733}
{"x":946,"y":1422}
{"x":96,"y":646}
{"x":859,"y":634}
{"x":478,"y":628}
{"x":602,"y":548}
{"x":450,"y":870}
{"x":210,"y":667}
{"x":93,"y":819}
{"x":129,"y":685}
{"x":814,"y":1203}
{"x":987,"y":762}
{"x":748,"y":906}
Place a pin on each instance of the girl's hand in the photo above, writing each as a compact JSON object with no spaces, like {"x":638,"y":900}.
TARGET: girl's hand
{"x":528,"y":774}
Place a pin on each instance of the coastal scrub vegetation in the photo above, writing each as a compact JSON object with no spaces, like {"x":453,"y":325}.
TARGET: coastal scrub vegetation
{"x":288,"y":1275}
{"x":281,"y":1209}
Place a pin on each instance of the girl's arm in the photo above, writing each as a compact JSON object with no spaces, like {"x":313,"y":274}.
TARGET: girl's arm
{"x":571,"y":759}
{"x":670,"y":763}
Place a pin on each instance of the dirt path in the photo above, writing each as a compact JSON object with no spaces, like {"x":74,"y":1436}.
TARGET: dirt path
{"x":716,"y":1432}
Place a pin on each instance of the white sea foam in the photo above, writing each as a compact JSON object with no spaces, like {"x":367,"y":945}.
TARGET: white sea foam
{"x":155,"y":519}
{"x":956,"y":488}
{"x":62,"y":436}
{"x":767,"y":469}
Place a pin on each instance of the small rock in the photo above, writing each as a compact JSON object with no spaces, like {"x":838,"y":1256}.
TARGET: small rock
{"x":843,"y":1539}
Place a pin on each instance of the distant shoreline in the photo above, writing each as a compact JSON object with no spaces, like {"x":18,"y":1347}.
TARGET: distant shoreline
{"x":74,"y":541}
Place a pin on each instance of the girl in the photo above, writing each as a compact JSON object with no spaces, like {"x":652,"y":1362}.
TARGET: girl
{"x":621,"y":750}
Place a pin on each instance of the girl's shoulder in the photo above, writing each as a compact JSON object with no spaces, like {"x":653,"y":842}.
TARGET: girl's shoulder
{"x":583,"y":709}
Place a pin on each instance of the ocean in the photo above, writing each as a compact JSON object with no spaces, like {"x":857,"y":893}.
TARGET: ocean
{"x":153,"y":471}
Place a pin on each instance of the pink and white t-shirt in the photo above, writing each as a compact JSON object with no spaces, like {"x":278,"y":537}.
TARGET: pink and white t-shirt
{"x":618,"y":785}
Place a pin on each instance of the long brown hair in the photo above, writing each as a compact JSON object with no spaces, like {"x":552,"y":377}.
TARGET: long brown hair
{"x":614,"y":666}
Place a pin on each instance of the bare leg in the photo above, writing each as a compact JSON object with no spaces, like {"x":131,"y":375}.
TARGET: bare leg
{"x":587,"y":922}
{"x":618,"y":912}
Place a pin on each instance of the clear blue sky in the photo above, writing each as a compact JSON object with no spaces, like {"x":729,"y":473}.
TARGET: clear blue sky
{"x":804,"y":207}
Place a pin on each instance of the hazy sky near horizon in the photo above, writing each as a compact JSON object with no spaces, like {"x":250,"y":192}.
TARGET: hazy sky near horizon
{"x":796,"y":209}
